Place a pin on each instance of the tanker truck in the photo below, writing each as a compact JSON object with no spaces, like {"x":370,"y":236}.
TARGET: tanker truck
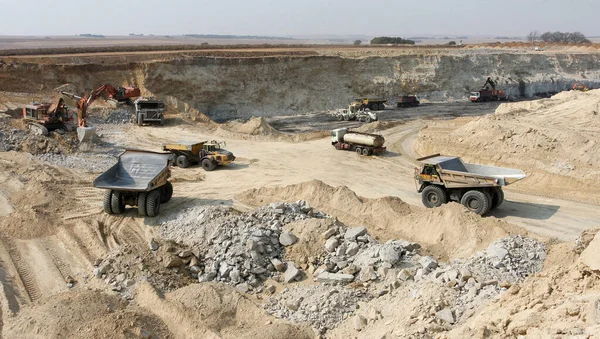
{"x":361,"y":143}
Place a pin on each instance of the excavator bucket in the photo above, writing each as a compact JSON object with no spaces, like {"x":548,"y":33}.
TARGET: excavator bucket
{"x":85,"y":133}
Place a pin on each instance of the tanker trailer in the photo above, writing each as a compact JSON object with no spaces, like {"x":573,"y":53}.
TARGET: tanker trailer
{"x":361,"y":143}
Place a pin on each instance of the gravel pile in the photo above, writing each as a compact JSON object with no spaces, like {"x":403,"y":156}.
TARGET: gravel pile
{"x":96,"y":163}
{"x":320,"y":306}
{"x":241,"y":249}
{"x":12,"y":139}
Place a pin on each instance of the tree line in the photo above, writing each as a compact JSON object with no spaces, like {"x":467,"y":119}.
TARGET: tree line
{"x":384,"y":40}
{"x":558,"y":37}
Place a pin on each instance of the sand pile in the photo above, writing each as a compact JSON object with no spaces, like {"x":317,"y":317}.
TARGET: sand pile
{"x":377,"y":126}
{"x":211,"y":310}
{"x":84,"y":314}
{"x":340,"y":202}
{"x":257,"y":128}
{"x":556,"y":141}
{"x":448,"y":232}
{"x":35,"y":191}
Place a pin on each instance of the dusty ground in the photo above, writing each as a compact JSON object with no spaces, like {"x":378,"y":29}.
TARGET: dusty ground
{"x":54,"y":230}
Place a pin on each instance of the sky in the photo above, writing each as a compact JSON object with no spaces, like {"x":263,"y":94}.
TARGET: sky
{"x":298,"y":17}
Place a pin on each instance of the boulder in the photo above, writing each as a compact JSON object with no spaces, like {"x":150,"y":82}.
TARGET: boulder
{"x":353,"y":232}
{"x":331,"y":244}
{"x":287,"y":239}
{"x":446,"y":315}
{"x":428,"y":263}
{"x":335,"y":277}
{"x":389,"y":255}
{"x":291,"y":273}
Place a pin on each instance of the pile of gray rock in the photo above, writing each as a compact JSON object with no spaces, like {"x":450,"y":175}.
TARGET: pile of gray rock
{"x":242,"y":249}
{"x":483,"y":276}
{"x":11,"y":139}
{"x":354,"y":254}
{"x":321,"y":306}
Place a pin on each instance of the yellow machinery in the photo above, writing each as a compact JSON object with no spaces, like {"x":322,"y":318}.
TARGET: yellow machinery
{"x":208,"y":154}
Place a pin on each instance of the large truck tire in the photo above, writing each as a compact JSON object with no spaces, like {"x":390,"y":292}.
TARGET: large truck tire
{"x":153,"y":203}
{"x":141,"y":202}
{"x":182,"y":161}
{"x":116,"y":202}
{"x":374,"y":107}
{"x":368,"y":120}
{"x":340,"y":117}
{"x":498,"y":198}
{"x":358,"y":150}
{"x":208,"y":165}
{"x":346,"y":117}
{"x":167,"y":192}
{"x":106,"y":204}
{"x":365,"y":151}
{"x":433,"y":196}
{"x":381,"y":107}
{"x":476,"y":201}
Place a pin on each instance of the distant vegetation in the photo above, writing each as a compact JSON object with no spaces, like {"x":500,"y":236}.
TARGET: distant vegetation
{"x":382,"y":40}
{"x":92,"y":35}
{"x":217,"y":36}
{"x":558,"y":37}
{"x":357,"y":42}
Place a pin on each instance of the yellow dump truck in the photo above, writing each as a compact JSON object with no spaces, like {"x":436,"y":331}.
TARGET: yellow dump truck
{"x":208,"y":154}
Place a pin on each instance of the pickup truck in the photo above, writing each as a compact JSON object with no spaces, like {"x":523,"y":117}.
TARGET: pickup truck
{"x":477,"y":187}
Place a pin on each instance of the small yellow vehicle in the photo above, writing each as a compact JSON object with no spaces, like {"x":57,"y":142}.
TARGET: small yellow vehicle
{"x":208,"y":154}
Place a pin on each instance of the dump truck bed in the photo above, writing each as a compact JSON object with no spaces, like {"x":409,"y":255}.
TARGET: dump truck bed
{"x":135,"y":171}
{"x":456,"y":173}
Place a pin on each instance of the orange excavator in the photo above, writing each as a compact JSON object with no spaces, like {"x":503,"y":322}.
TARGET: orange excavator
{"x":120,"y":94}
{"x":43,"y":118}
{"x":580,"y":87}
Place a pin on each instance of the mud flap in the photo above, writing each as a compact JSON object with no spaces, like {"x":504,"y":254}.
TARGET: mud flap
{"x":85,"y":133}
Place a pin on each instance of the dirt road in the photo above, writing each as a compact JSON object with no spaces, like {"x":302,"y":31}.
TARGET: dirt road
{"x":268,"y":163}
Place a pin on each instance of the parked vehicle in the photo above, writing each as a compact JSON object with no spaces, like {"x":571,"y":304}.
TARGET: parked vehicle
{"x":352,"y":113}
{"x":374,"y":104}
{"x":479,"y":188}
{"x":407,"y":101}
{"x":139,"y":178}
{"x":361,"y":143}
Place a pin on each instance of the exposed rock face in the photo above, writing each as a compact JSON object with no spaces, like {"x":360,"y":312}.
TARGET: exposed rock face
{"x":226,"y":88}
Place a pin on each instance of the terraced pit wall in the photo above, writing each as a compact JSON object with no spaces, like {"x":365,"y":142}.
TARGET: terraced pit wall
{"x":228,"y":87}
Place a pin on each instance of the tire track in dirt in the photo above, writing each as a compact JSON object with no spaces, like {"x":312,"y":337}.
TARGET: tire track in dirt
{"x":23,"y":270}
{"x":63,"y":268}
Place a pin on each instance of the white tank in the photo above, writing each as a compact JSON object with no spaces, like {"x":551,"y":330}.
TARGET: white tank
{"x":364,"y":139}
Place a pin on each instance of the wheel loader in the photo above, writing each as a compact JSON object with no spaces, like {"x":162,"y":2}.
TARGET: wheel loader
{"x":208,"y":154}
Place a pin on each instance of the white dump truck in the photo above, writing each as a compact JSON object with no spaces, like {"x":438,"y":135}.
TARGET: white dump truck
{"x":353,"y":113}
{"x":361,"y":143}
{"x":477,"y":187}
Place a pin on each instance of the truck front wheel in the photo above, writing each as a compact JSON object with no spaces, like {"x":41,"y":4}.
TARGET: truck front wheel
{"x":497,"y":198}
{"x":153,"y":203}
{"x":476,"y":201}
{"x":106,"y":204}
{"x":141,"y":202}
{"x":167,"y":192}
{"x":433,"y":196}
{"x":117,"y":205}
{"x":208,"y":165}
